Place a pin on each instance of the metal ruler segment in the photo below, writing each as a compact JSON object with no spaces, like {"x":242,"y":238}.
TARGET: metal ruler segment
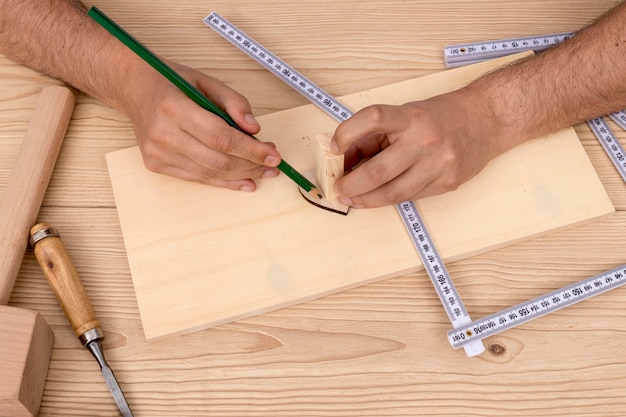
{"x":432,"y":262}
{"x":470,"y":53}
{"x":427,"y":251}
{"x":619,"y":117}
{"x":278,"y":67}
{"x":609,"y":141}
{"x":537,"y":307}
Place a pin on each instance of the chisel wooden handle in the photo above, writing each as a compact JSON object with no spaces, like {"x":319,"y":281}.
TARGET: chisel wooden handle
{"x":64,"y":280}
{"x":29,"y":179}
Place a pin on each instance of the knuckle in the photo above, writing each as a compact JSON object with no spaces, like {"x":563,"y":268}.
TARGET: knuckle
{"x":218,"y":164}
{"x":375,"y":173}
{"x":236,"y":102}
{"x":150,"y":151}
{"x":223,"y":141}
{"x":452,"y":182}
{"x":393,"y":196}
{"x":450,"y":158}
{"x":415,"y":111}
{"x":152,"y":164}
{"x":451,"y":178}
{"x":210,"y":175}
{"x":154,"y":136}
{"x":168,"y":106}
{"x":376,"y":113}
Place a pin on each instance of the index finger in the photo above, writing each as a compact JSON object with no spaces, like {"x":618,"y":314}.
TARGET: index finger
{"x":365,"y":127}
{"x":228,"y":140}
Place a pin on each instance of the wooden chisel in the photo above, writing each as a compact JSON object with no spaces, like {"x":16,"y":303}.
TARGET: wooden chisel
{"x":68,"y":289}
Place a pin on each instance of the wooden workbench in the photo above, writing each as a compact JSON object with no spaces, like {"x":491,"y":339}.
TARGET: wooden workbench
{"x":378,"y":350}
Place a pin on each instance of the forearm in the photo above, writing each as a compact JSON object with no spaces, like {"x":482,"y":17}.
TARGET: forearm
{"x":57,"y":38}
{"x":575,"y":81}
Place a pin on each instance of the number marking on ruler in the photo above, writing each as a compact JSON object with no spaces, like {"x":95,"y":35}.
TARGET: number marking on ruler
{"x":470,"y":53}
{"x":436,"y":269}
{"x":408,"y":212}
{"x":279,"y":68}
{"x":537,"y":307}
{"x":609,"y":141}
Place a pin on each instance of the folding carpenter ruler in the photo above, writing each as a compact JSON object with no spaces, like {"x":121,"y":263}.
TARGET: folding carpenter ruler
{"x":470,"y":53}
{"x":457,"y":313}
{"x":466,"y":334}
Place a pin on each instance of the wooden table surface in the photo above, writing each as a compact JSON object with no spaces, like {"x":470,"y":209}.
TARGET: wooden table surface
{"x":377,"y":350}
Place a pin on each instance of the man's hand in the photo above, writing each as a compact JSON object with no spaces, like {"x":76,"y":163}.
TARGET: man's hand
{"x":410,"y":151}
{"x":179,"y":138}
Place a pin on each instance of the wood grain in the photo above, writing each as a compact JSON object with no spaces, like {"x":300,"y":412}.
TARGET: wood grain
{"x":212,"y":256}
{"x":64,"y":280}
{"x":29,"y":180}
{"x":376,"y":350}
{"x":25,"y":338}
{"x":26,"y":343}
{"x":329,"y":167}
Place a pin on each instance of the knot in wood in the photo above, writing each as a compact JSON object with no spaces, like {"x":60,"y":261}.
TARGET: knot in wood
{"x":497,"y":348}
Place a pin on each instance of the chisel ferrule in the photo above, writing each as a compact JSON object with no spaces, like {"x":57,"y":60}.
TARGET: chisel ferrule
{"x":42,"y":234}
{"x":91,"y":336}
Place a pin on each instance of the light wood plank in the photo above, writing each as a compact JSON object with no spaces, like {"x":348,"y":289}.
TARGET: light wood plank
{"x":219,"y":260}
{"x":376,"y":350}
{"x":367,"y":350}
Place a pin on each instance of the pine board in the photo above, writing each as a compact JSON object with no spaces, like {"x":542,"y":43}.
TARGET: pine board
{"x":202,"y":256}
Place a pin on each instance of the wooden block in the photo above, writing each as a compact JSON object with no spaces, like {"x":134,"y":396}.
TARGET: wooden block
{"x":329,"y":166}
{"x":26,"y":343}
{"x":29,"y":180}
{"x":202,"y":256}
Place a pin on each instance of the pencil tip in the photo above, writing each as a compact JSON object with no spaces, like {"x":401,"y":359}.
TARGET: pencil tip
{"x":315,"y":193}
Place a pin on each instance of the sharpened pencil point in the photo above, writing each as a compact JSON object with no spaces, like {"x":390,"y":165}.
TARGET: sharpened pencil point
{"x":315,"y":193}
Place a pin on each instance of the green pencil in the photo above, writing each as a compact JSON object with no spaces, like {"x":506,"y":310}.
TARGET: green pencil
{"x":192,"y":92}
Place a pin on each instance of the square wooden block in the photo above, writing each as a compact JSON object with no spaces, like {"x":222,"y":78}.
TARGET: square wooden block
{"x":26,"y":343}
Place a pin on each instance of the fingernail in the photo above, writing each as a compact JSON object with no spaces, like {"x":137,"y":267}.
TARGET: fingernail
{"x":247,"y":188}
{"x":270,"y":173}
{"x":334,"y":147}
{"x":251,"y":120}
{"x":345,"y":201}
{"x":271,"y":161}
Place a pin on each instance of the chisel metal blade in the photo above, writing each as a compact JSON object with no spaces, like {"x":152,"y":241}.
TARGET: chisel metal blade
{"x":118,"y":396}
{"x":96,"y":350}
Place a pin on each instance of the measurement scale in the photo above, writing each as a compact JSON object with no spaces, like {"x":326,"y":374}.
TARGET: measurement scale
{"x":450,"y":299}
{"x":471,"y":53}
{"x":278,"y":67}
{"x":537,"y":307}
{"x":619,"y":117}
{"x":609,"y":141}
{"x":466,"y":333}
